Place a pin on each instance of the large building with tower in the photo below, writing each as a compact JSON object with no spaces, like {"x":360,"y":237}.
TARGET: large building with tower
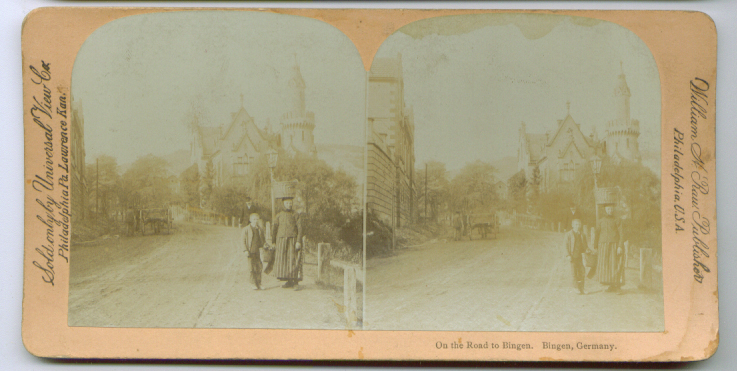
{"x":233,"y":147}
{"x":390,"y":140}
{"x":556,"y":156}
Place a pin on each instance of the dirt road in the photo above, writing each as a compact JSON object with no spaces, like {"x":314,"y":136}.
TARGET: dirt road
{"x":195,"y":277}
{"x":518,"y":282}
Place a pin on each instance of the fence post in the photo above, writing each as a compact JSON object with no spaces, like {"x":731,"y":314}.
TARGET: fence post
{"x":646,"y":268}
{"x":321,"y":249}
{"x":349,"y":294}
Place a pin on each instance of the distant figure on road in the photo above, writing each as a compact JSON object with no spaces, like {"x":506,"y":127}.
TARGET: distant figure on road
{"x":610,"y":267}
{"x":253,"y":240}
{"x":458,"y":226}
{"x":287,"y":236}
{"x":569,"y":215}
{"x":252,"y":208}
{"x":131,"y":222}
{"x":575,"y":247}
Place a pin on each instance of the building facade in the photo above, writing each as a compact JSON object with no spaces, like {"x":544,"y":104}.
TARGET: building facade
{"x":233,"y":148}
{"x":390,"y":140}
{"x":556,"y":157}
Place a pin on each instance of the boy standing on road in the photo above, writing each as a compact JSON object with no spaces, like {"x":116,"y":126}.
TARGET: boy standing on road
{"x":253,"y":240}
{"x":575,"y":244}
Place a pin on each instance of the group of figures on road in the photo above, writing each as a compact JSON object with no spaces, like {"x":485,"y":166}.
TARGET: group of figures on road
{"x":142,"y":220}
{"x":278,"y":246}
{"x":465,"y":224}
{"x":606,"y":256}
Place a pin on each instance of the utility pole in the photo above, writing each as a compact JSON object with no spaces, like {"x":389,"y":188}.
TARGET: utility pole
{"x":426,"y":191}
{"x":97,"y":185}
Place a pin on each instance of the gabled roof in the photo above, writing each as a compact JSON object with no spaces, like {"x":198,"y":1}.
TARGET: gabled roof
{"x":240,"y":116}
{"x":562,"y":125}
{"x":253,"y":135}
{"x":572,"y":143}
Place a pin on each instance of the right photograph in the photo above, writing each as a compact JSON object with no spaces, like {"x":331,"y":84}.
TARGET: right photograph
{"x":514,"y":177}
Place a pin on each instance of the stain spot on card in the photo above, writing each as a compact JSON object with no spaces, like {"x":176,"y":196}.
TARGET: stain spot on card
{"x":532,"y":26}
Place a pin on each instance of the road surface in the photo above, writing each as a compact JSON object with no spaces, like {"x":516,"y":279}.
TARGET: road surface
{"x":518,"y":282}
{"x":195,"y":277}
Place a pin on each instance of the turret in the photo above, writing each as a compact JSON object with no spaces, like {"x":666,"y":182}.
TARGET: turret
{"x":297,"y":124}
{"x":622,"y":132}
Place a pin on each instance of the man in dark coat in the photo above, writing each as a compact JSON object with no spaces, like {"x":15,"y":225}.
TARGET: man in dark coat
{"x":287,"y":237}
{"x":252,"y":208}
{"x":254,"y":239}
{"x":608,"y":240}
{"x":569,"y":215}
{"x":575,"y":247}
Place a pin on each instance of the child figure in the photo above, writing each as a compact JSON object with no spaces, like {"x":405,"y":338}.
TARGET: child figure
{"x":575,"y":247}
{"x":253,"y":240}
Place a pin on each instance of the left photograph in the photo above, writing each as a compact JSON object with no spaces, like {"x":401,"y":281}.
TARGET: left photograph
{"x":218,"y":174}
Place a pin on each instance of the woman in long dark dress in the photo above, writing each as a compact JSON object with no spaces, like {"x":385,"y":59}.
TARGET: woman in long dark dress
{"x":286,"y":236}
{"x":610,"y":267}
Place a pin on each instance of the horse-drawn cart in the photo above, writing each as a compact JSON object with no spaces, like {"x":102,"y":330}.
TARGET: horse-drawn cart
{"x":486,"y":225}
{"x":155,"y":220}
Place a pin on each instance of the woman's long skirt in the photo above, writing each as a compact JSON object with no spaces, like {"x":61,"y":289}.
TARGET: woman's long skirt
{"x":288,"y":262}
{"x":610,"y":267}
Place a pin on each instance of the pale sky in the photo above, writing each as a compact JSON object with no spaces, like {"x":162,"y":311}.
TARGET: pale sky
{"x":471,"y":81}
{"x":138,"y":77}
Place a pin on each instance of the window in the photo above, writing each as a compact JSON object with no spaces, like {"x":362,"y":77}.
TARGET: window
{"x":240,"y":166}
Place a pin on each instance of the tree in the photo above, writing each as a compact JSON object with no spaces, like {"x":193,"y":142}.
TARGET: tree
{"x":146,"y":184}
{"x":437,"y":188}
{"x":639,"y":189}
{"x":533,"y":191}
{"x":190,"y":181}
{"x":229,"y":200}
{"x":206,"y":183}
{"x":517,"y":186}
{"x":103,"y":189}
{"x":473,"y":187}
{"x":326,"y":196}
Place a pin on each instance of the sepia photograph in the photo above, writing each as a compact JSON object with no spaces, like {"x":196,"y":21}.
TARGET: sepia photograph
{"x":218,"y":173}
{"x":369,"y":185}
{"x":513,"y":179}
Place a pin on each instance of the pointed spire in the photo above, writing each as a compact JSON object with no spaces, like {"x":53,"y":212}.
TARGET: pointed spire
{"x":621,"y":67}
{"x":241,"y":99}
{"x":568,"y":107}
{"x":296,"y":80}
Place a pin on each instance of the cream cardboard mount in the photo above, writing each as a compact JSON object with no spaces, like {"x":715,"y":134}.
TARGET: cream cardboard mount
{"x":468,"y":185}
